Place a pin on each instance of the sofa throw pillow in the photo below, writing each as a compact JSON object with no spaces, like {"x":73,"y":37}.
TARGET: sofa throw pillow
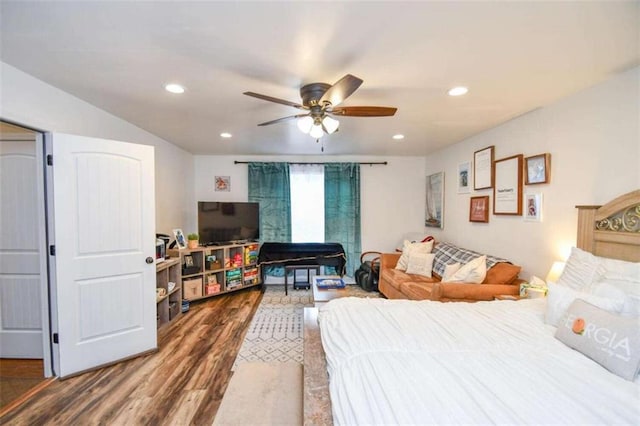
{"x":581,"y":271}
{"x":560,"y":297}
{"x":420,"y":264}
{"x":611,"y":340}
{"x":449,"y":270}
{"x":408,"y":248}
{"x":473,"y":272}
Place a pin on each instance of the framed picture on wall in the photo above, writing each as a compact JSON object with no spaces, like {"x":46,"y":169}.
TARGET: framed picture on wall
{"x":538,"y":169}
{"x":479,"y":209}
{"x":507,"y":191}
{"x":223,"y":183}
{"x":464,"y":177}
{"x":434,"y":206}
{"x":533,"y":207}
{"x":483,"y":168}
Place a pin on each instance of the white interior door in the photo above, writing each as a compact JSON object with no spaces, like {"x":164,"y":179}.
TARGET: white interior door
{"x":20,"y":275}
{"x":104,"y":215}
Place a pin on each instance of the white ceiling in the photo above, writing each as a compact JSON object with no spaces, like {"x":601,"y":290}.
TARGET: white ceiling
{"x":513,"y":56}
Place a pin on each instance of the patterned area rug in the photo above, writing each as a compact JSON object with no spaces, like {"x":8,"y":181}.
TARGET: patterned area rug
{"x":275,"y":333}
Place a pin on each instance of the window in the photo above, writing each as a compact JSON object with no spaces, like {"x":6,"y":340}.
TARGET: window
{"x":307,"y":203}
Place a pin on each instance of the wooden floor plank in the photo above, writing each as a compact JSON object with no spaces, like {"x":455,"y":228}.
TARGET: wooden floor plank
{"x":182,"y":383}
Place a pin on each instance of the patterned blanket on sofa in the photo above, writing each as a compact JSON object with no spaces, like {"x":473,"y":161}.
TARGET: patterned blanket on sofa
{"x":447,"y":254}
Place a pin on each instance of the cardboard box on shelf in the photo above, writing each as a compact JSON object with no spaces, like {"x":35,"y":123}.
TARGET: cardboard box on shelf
{"x":192,"y":288}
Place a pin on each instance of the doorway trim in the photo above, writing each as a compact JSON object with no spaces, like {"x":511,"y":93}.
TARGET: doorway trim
{"x":45,"y":310}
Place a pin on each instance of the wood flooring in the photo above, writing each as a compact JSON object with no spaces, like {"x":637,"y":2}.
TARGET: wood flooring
{"x":17,"y":377}
{"x":183,"y":383}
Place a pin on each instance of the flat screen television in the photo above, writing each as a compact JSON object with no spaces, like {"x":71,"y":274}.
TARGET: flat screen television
{"x":228,"y":222}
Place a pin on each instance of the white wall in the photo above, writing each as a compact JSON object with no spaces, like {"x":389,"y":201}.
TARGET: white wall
{"x":392,"y":196}
{"x":594,"y":140}
{"x":31,"y":102}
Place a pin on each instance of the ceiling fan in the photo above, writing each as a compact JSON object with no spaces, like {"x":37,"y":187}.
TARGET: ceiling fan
{"x":320,"y":101}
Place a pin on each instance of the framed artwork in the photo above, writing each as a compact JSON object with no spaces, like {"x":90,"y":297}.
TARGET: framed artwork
{"x":223,"y":183}
{"x":483,"y":168}
{"x":479,"y":209}
{"x":188,"y":261}
{"x":464,"y":177}
{"x":538,"y":169}
{"x":181,"y":241}
{"x":434,"y":206}
{"x":533,"y":207}
{"x":507,"y":191}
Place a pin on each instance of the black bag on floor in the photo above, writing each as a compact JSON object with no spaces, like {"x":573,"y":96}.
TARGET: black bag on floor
{"x":368,"y":273}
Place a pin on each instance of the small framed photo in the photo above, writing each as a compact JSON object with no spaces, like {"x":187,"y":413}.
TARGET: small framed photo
{"x":479,"y":209}
{"x":181,"y":241}
{"x":188,"y":261}
{"x":533,"y":207}
{"x":223,"y":183}
{"x":538,"y":169}
{"x":464,"y":177}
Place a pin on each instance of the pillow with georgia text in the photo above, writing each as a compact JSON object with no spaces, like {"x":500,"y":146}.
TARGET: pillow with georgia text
{"x":611,"y":340}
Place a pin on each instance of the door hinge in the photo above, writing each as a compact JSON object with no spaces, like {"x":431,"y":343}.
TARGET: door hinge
{"x":49,"y":160}
{"x":52,"y":250}
{"x":55,"y":338}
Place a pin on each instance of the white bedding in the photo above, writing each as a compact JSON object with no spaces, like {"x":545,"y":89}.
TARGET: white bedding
{"x":408,"y":362}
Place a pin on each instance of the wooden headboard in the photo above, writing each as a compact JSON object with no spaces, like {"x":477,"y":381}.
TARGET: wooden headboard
{"x":612,"y":230}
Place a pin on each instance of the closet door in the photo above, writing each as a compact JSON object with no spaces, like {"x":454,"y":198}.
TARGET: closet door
{"x":20,"y":276}
{"x":104,"y":234}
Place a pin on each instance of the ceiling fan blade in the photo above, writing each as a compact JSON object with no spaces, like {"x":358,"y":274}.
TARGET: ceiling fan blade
{"x":276,"y":100}
{"x":279,"y":120}
{"x":340,"y":91}
{"x":364,"y":111}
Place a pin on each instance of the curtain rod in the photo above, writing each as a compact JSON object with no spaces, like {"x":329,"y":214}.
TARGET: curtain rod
{"x":380,"y":163}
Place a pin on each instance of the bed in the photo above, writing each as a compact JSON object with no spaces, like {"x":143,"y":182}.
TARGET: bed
{"x":408,"y":362}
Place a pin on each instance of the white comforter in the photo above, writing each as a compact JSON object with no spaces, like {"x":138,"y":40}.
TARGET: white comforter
{"x":407,"y":362}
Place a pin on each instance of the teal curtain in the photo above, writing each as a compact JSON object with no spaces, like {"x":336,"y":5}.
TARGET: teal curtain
{"x":342,"y":209}
{"x":269,"y":186}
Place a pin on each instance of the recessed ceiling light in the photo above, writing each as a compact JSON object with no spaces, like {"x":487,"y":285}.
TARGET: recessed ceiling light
{"x":458,"y":91}
{"x":174,"y":88}
{"x":225,"y":135}
{"x":398,"y":137}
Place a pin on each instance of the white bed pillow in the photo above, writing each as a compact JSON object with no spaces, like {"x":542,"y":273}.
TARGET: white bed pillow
{"x":409,"y":248}
{"x":581,"y":270}
{"x":631,"y":306}
{"x":560,"y":297}
{"x":420,"y":264}
{"x":473,"y":272}
{"x":611,"y":340}
{"x":449,"y":270}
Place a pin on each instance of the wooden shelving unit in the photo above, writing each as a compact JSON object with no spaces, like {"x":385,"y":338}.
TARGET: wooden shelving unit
{"x":168,"y":306}
{"x":216,"y":270}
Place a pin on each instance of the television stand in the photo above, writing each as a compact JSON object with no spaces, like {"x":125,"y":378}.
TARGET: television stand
{"x":218,"y":269}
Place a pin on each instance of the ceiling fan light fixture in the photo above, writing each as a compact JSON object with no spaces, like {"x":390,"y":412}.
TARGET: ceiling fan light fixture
{"x":305,"y":123}
{"x":330,"y":124}
{"x":316,"y":131}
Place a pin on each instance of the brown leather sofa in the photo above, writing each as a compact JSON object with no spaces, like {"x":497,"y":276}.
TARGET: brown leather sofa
{"x":501,"y":279}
